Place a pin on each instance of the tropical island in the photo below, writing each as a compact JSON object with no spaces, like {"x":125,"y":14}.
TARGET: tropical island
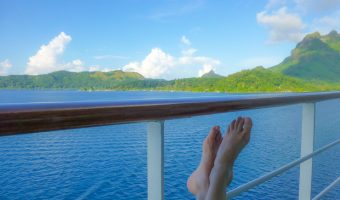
{"x":314,"y":65}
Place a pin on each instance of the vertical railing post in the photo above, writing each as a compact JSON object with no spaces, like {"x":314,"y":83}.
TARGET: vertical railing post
{"x":307,"y":144}
{"x":155,"y":156}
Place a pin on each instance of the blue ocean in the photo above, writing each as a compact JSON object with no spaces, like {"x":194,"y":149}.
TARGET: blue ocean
{"x":109,"y":162}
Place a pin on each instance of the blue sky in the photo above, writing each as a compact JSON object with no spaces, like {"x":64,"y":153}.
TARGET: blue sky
{"x":159,"y":39}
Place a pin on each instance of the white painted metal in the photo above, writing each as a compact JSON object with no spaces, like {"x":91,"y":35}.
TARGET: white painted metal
{"x":327,"y":189}
{"x":266,"y":177}
{"x":155,"y":154}
{"x":307,"y":144}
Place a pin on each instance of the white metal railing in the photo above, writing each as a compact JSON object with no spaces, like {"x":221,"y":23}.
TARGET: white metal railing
{"x":59,"y":116}
{"x":155,"y":151}
{"x":276,"y":172}
{"x":156,"y":159}
{"x":327,"y":189}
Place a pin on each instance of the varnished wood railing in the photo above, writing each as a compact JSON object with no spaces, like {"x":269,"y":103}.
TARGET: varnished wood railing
{"x":36,"y":117}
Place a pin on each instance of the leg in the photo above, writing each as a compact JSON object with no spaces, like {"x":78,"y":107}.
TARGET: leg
{"x":198,"y":182}
{"x":234,"y":141}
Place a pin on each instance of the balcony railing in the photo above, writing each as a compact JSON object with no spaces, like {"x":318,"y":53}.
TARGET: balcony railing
{"x":38,"y":117}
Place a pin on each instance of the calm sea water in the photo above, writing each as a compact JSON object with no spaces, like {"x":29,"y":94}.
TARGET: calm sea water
{"x":110,"y":162}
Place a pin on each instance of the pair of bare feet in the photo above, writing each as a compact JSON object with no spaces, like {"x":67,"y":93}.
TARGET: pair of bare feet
{"x":215,"y":171}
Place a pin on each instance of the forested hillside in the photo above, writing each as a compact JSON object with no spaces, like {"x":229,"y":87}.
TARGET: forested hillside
{"x":314,"y":65}
{"x":316,"y":57}
{"x":258,"y":79}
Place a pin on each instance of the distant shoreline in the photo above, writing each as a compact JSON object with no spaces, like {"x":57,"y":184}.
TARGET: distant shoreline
{"x":183,"y":91}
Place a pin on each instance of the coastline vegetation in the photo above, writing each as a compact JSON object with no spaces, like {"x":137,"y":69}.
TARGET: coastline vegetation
{"x":314,"y":65}
{"x":258,"y":79}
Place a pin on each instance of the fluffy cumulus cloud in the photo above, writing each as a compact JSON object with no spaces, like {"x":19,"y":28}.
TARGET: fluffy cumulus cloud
{"x":206,"y":64}
{"x":290,"y":20}
{"x":4,"y":67}
{"x":47,"y":59}
{"x":206,"y":68}
{"x":159,"y":64}
{"x":156,"y":63}
{"x":74,"y":66}
{"x":282,"y":26}
{"x":327,"y":23}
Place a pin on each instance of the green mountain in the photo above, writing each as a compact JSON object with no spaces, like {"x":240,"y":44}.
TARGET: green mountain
{"x":333,"y":40}
{"x":258,"y":79}
{"x":211,"y":74}
{"x":65,"y":79}
{"x":314,"y":65}
{"x":316,"y":57}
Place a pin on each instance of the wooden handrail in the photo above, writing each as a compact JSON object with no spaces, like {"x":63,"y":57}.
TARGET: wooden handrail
{"x":37,"y":117}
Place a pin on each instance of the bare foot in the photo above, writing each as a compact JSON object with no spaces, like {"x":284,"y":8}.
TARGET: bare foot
{"x":234,"y":141}
{"x":198,"y":182}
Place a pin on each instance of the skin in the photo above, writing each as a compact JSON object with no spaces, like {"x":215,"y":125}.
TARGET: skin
{"x":215,"y":171}
{"x":198,"y":182}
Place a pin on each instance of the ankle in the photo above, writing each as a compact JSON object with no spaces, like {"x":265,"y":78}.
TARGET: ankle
{"x":201,"y":195}
{"x":221,"y":174}
{"x":224,"y":163}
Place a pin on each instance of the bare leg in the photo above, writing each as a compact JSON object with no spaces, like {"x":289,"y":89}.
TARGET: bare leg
{"x":198,"y":182}
{"x":234,"y":141}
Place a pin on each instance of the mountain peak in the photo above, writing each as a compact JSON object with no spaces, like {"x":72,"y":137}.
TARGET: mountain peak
{"x":311,"y":42}
{"x":211,"y":74}
{"x":316,"y":57}
{"x":333,"y":33}
{"x":312,"y":35}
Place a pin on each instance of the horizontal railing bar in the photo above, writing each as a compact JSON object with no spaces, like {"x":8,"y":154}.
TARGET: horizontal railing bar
{"x":327,"y":189}
{"x":37,"y":117}
{"x":270,"y":175}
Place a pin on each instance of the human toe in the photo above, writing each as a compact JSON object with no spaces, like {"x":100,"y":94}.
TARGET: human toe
{"x":232,"y":125}
{"x":248,"y":124}
{"x":240,"y":125}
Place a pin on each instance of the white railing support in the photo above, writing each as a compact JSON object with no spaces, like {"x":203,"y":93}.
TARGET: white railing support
{"x":255,"y":182}
{"x":327,"y":189}
{"x":307,"y":144}
{"x":155,"y":156}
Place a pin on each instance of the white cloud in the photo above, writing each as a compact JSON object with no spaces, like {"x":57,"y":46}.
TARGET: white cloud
{"x":155,"y":64}
{"x":159,"y":64}
{"x":4,"y":67}
{"x":189,"y":52}
{"x":106,"y":69}
{"x":74,"y":66}
{"x":327,"y":23}
{"x":185,"y":40}
{"x":187,"y":60}
{"x":206,"y":68}
{"x":282,"y":26}
{"x":94,"y":68}
{"x":46,"y":59}
{"x":303,"y":16}
{"x":99,"y":69}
